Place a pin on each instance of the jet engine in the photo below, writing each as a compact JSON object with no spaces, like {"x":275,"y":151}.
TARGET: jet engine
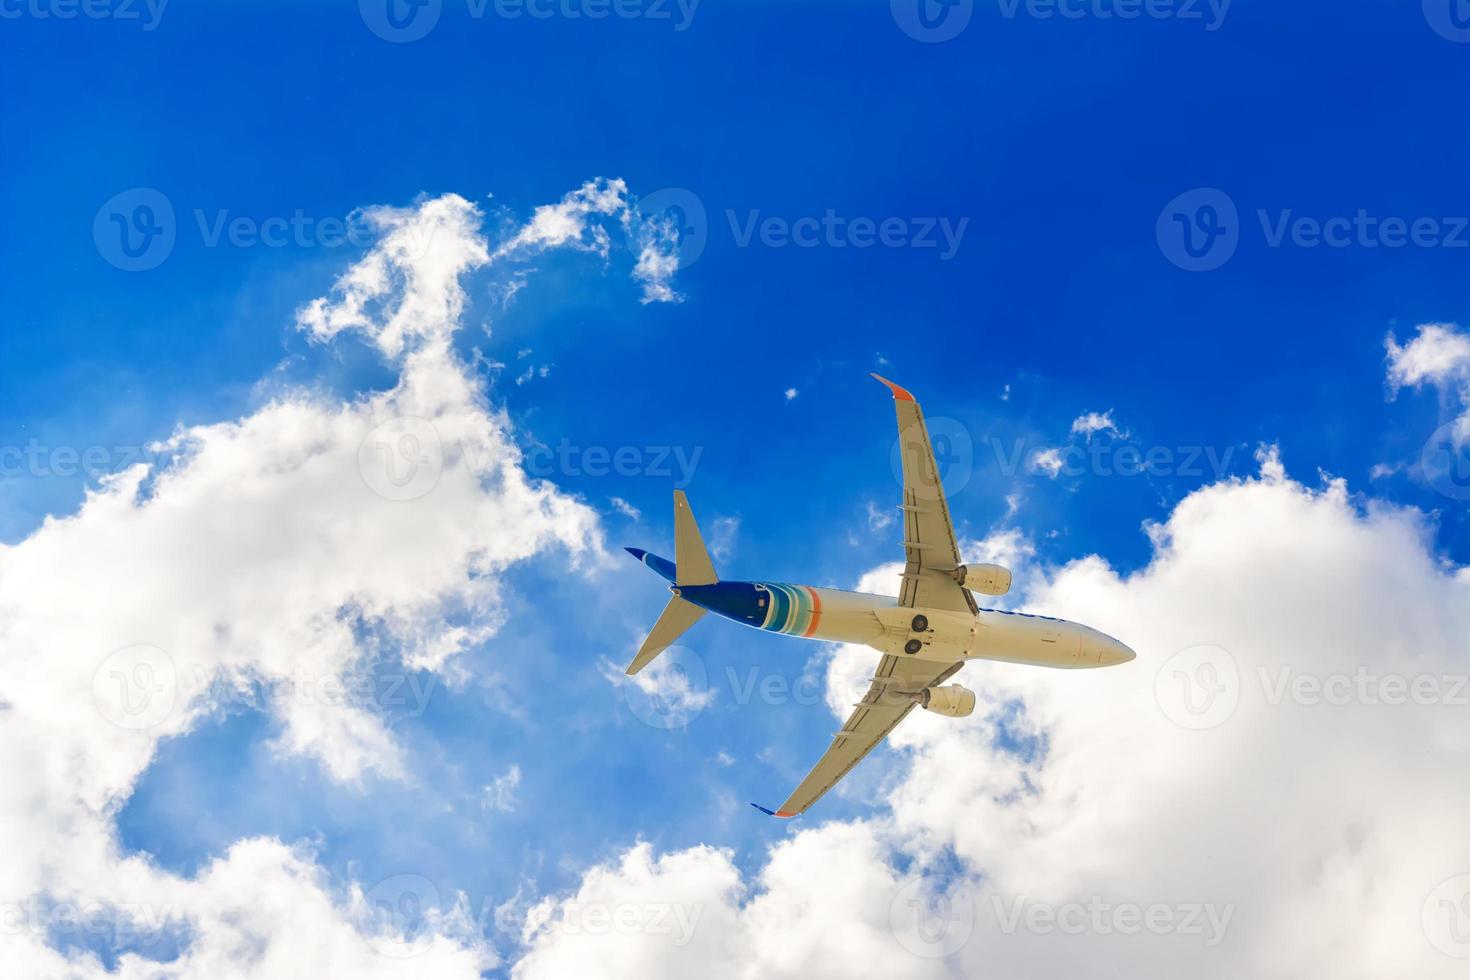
{"x":987,"y":578}
{"x":952,"y":700}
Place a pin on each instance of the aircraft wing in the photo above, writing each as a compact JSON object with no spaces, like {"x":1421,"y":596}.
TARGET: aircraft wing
{"x":930,"y":549}
{"x":886,"y":704}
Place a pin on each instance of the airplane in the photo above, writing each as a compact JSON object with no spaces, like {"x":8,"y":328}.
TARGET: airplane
{"x":925,"y":635}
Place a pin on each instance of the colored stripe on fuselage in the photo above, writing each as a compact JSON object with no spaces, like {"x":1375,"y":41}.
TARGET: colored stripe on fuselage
{"x":816,"y":611}
{"x":793,"y":609}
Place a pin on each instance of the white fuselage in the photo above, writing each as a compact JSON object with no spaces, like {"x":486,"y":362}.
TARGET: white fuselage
{"x":992,"y":634}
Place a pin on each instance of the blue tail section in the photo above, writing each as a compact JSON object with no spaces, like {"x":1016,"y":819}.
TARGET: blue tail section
{"x":661,"y":565}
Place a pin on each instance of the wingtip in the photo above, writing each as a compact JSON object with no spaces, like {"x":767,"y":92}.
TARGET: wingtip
{"x":773,"y":813}
{"x":899,"y":392}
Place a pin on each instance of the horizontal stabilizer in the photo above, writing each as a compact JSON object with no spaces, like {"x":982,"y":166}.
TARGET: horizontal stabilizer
{"x":678,"y":616}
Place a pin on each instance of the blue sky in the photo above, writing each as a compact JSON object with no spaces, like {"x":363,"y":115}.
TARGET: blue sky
{"x":1047,"y":148}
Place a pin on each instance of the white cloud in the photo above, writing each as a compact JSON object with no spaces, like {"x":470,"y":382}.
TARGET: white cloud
{"x":1381,"y":471}
{"x":879,"y":517}
{"x":574,"y":222}
{"x":1090,"y":423}
{"x":626,"y":509}
{"x":821,"y":909}
{"x":501,"y":794}
{"x":566,"y":222}
{"x":270,"y":558}
{"x":720,"y":536}
{"x":1439,"y":354}
{"x":791,"y":394}
{"x":1287,"y":836}
{"x":1047,"y":461}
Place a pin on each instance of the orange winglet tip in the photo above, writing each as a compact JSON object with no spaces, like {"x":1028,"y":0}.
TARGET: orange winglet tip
{"x":899,"y":393}
{"x":773,"y":813}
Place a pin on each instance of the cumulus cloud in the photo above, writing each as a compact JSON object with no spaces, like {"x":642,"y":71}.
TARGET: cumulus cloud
{"x":1260,"y":794}
{"x":1439,"y":354}
{"x":269,"y":558}
{"x":820,"y":907}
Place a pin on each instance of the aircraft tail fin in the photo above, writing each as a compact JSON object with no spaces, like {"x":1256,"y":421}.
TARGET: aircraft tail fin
{"x":678,"y":616}
{"x":691,"y":557}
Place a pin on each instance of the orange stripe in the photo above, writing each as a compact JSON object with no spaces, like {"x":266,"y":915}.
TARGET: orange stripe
{"x":899,"y":394}
{"x":816,"y":612}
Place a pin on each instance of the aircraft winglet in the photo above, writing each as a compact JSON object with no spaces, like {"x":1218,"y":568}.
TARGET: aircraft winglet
{"x":773,"y":813}
{"x":899,"y":393}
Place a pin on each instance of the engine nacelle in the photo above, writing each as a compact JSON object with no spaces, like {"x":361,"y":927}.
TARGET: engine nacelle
{"x":987,"y":578}
{"x":952,"y":700}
